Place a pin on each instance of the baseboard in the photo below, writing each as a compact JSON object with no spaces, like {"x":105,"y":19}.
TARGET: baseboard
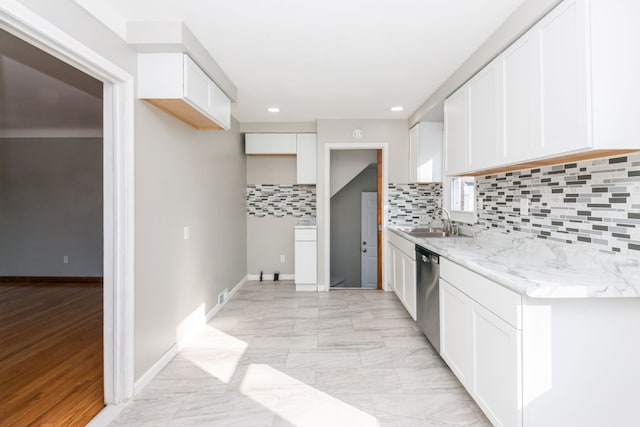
{"x":106,"y":416}
{"x":233,"y":291}
{"x":269,"y":277}
{"x":53,"y":279}
{"x":155,"y":369}
{"x":190,"y":326}
{"x":306,"y":287}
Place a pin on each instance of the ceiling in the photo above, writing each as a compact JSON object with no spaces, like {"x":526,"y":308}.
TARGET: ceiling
{"x":331,"y":59}
{"x":41,"y":93}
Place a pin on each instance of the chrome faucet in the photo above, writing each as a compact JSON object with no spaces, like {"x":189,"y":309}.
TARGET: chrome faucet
{"x":446,"y":223}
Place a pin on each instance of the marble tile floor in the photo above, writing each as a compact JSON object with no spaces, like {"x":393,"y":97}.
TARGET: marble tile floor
{"x":276,"y":357}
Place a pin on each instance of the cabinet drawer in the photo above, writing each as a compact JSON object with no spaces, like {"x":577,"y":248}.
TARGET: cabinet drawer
{"x":305,"y":235}
{"x":502,"y":302}
{"x":406,"y":246}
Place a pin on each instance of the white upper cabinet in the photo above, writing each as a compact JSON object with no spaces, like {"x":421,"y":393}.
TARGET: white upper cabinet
{"x":306,"y":160}
{"x":564,"y":90}
{"x":484,"y":118}
{"x":520,"y":76}
{"x":284,"y":144}
{"x":456,"y":134}
{"x":563,"y":63}
{"x":174,"y":83}
{"x":301,"y":145}
{"x":425,"y":152}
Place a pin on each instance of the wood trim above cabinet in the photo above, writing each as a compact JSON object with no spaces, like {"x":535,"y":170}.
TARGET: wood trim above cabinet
{"x":576,"y":157}
{"x":181,"y":110}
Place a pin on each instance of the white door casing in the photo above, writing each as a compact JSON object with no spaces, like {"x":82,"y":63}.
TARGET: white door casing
{"x":369,"y":240}
{"x":324,"y":213}
{"x":118,"y":182}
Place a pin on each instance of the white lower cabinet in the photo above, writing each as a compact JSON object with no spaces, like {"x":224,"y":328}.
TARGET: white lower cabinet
{"x":305,"y":270}
{"x":455,"y":331}
{"x":531,"y":362}
{"x":482,"y":350}
{"x":496,"y":355}
{"x":402,"y":277}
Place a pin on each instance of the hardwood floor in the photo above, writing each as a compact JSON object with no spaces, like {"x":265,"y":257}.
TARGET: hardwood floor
{"x":51,"y":357}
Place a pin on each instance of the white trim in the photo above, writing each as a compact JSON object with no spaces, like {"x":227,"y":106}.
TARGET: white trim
{"x":50,"y":133}
{"x":231,"y":294}
{"x":197,"y":323}
{"x":156,"y":368}
{"x":306,"y":287}
{"x":118,"y":187}
{"x":326,"y":226}
{"x":269,"y":277}
{"x":106,"y":416}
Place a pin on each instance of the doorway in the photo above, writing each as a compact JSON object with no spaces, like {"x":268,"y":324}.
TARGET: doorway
{"x":118,"y":173}
{"x":361,"y":264}
{"x":51,"y":253}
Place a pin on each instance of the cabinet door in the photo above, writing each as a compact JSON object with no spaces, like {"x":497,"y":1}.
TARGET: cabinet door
{"x":429,"y":152}
{"x":456,"y":112}
{"x":196,"y":85}
{"x":220,"y":106}
{"x":398,"y":273}
{"x":409,"y":285}
{"x":391,"y":268}
{"x":563,"y":72}
{"x":484,"y":118}
{"x":305,"y":262}
{"x":521,"y":123}
{"x":270,"y":143}
{"x":306,"y":158}
{"x":456,"y":332}
{"x":414,"y":141}
{"x":496,"y":367}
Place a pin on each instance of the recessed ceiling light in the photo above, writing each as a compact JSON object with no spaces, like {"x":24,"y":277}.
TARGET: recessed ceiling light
{"x":398,"y":108}
{"x":273,"y":109}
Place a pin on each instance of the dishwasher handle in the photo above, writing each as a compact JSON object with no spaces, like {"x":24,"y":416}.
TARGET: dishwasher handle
{"x":426,"y":255}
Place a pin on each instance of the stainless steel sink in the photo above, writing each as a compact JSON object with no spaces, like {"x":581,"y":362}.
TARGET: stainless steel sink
{"x":428,"y":232}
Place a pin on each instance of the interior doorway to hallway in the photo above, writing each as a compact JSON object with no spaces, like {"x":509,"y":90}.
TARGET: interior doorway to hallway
{"x":51,"y":251}
{"x":118,"y":174}
{"x":355,"y":218}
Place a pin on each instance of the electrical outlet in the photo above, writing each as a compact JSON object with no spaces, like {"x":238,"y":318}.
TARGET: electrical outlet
{"x":222,"y":296}
{"x":283,"y":258}
{"x":65,"y":259}
{"x":524,"y":207}
{"x":187,"y":232}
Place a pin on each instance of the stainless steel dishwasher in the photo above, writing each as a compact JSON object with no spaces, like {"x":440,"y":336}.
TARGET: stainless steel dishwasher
{"x":428,"y":295}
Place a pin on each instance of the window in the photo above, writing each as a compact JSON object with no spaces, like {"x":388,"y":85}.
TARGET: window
{"x":459,"y":198}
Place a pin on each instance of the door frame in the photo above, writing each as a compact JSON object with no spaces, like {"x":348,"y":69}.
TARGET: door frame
{"x":118,"y":187}
{"x":383,"y":148}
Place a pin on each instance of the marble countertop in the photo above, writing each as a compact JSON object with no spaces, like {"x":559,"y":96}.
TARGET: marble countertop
{"x":539,"y":269}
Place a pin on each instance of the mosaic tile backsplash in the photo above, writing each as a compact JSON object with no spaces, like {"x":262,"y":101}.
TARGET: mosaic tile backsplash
{"x":272,"y":200}
{"x":413,"y":204}
{"x":593,"y":202}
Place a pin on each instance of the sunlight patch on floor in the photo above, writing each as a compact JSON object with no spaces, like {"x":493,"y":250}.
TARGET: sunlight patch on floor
{"x":215,"y":352}
{"x":299,"y":403}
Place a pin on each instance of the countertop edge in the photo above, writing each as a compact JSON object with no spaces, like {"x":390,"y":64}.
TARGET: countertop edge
{"x":525,"y":287}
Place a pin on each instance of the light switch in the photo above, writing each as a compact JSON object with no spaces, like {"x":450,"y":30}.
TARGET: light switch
{"x":187,"y":232}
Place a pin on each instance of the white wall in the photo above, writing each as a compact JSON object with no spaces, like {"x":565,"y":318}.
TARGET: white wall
{"x":51,"y":206}
{"x":393,"y":132}
{"x":183,"y":177}
{"x":268,"y":238}
{"x":347,"y":164}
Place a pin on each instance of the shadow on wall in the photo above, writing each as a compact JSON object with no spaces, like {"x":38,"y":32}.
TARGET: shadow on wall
{"x":346,"y":227}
